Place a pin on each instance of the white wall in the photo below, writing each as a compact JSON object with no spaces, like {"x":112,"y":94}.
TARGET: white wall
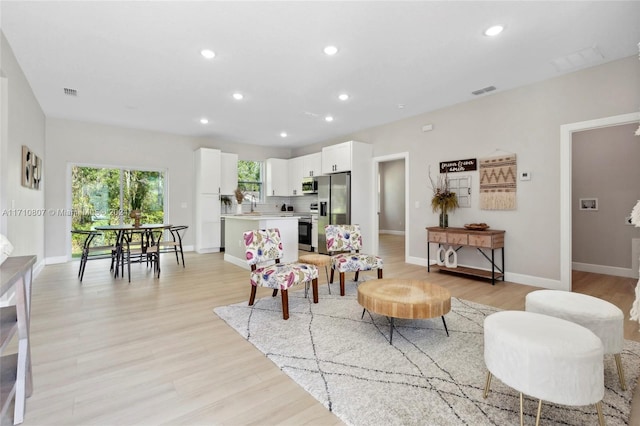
{"x":525,"y":121}
{"x":25,"y":125}
{"x":72,"y":142}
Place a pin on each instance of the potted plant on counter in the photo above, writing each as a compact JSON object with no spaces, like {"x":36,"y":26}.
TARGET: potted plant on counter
{"x":239,"y":198}
{"x":226,"y":202}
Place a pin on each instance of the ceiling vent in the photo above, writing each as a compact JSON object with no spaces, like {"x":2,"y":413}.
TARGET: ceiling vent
{"x":579,"y":59}
{"x":70,"y":92}
{"x":485,"y":90}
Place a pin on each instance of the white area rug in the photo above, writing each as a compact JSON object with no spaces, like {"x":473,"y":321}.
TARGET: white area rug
{"x":424,"y":378}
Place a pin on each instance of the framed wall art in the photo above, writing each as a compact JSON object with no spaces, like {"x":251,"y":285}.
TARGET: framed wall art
{"x":31,"y":168}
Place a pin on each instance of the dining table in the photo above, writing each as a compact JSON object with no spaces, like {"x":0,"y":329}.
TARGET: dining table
{"x":150,"y":234}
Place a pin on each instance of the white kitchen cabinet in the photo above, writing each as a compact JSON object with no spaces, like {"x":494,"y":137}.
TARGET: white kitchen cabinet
{"x":295,"y":176}
{"x":212,"y":168}
{"x":208,"y":223}
{"x":228,"y":173}
{"x":207,"y":166}
{"x":312,"y":165}
{"x":277,"y":180}
{"x":337,"y":158}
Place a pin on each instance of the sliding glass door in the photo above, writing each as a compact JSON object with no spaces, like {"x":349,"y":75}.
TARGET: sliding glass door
{"x":106,"y":196}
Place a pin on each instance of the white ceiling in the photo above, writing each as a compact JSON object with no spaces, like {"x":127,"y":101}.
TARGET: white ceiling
{"x":137,"y":64}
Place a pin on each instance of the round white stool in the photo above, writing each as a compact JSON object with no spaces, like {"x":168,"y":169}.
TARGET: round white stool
{"x":544,"y":357}
{"x":605,"y":319}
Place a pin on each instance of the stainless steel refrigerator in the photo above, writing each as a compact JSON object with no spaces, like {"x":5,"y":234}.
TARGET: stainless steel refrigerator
{"x":334,"y":204}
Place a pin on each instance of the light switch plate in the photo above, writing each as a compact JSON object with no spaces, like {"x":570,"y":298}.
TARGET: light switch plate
{"x":525,"y":175}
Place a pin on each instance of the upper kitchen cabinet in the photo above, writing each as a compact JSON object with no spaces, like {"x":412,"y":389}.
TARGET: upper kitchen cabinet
{"x":296,"y":166}
{"x":207,"y":166}
{"x":277,"y":181}
{"x":312,"y":165}
{"x":340,"y":157}
{"x":228,"y":173}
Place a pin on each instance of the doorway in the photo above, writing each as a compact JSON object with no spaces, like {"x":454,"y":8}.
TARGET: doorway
{"x":566,"y":132}
{"x":391,"y":175}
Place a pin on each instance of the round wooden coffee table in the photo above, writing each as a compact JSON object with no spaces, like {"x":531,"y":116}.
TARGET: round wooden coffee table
{"x":403,"y":298}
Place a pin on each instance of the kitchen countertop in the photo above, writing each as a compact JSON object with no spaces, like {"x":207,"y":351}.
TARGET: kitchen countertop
{"x":268,"y":216}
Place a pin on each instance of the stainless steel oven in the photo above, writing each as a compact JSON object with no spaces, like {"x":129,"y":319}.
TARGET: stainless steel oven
{"x":304,"y":233}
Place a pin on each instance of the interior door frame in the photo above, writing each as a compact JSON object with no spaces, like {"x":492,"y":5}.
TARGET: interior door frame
{"x":566,"y":132}
{"x":374,"y":199}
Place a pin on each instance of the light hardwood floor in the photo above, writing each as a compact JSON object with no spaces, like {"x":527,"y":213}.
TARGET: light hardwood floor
{"x":152,"y":352}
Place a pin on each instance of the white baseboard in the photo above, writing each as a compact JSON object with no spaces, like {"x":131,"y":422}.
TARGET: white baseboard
{"x":511,"y":277}
{"x":606,"y":270}
{"x":391,"y":232}
{"x":205,"y":251}
{"x":56,"y":259}
{"x":236,"y":261}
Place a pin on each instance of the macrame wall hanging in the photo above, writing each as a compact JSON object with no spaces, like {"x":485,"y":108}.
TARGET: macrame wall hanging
{"x":498,"y":182}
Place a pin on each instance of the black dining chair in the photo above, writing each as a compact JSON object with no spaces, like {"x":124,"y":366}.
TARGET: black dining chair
{"x":145,"y":248}
{"x":92,"y":251}
{"x":175,"y":244}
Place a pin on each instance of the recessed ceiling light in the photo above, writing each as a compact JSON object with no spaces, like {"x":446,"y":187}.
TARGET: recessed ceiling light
{"x":343,"y":97}
{"x":328,"y":118}
{"x":209,"y":54}
{"x":400,"y":106}
{"x":494,"y":30}
{"x":238,"y":96}
{"x":330,"y":50}
{"x":283,"y":135}
{"x":204,"y":121}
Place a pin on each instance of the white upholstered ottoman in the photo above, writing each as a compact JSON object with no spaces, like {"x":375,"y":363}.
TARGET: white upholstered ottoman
{"x":544,"y":357}
{"x":605,"y":319}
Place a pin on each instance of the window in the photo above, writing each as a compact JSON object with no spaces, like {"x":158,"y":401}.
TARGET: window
{"x":106,"y":196}
{"x":250,"y":179}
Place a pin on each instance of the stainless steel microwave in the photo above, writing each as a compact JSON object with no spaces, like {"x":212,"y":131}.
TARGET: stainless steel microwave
{"x":309,"y":185}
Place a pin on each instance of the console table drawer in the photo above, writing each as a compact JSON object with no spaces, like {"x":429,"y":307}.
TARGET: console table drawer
{"x":480,"y":240}
{"x":487,"y":241}
{"x":459,"y":239}
{"x":438,"y":237}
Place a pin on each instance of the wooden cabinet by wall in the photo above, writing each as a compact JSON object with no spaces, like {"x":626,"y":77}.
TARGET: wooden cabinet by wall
{"x":489,"y":240}
{"x":277,"y":179}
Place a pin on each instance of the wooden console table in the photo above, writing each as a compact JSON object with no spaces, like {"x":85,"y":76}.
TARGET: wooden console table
{"x":490,"y":239}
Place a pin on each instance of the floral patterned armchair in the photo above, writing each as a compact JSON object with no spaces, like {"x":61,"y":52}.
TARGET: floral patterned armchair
{"x":265,"y":245}
{"x":346,"y":241}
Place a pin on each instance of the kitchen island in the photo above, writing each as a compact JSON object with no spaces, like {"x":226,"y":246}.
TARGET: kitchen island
{"x":236,"y":225}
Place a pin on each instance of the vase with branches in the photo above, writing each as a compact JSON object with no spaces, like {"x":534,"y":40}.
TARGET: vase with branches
{"x":239,"y":198}
{"x":443,"y":200}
